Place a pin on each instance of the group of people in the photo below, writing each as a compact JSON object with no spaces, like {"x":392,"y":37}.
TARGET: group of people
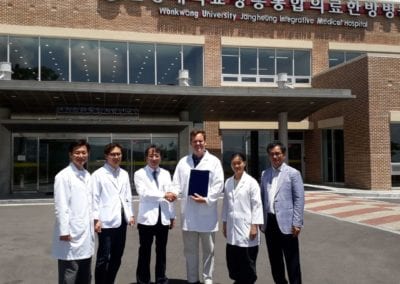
{"x":102,"y":203}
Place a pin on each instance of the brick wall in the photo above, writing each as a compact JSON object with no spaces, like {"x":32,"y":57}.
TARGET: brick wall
{"x":366,"y":120}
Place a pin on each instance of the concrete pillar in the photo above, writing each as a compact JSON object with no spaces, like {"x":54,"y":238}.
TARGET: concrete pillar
{"x":5,"y":154}
{"x":254,"y":155}
{"x":184,"y":115}
{"x":283,"y":130}
{"x":184,"y":142}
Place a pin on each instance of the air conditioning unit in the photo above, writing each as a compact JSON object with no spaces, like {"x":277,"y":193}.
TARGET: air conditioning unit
{"x":183,"y":77}
{"x":5,"y":71}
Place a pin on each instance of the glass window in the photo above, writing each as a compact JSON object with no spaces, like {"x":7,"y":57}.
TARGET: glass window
{"x":168,"y":64}
{"x":25,"y":164}
{"x":266,"y":61}
{"x":141,"y":64}
{"x":302,"y":63}
{"x":335,"y":58}
{"x":248,"y":61}
{"x":113,"y":62}
{"x":3,"y":48}
{"x":193,"y":61}
{"x":54,"y":59}
{"x":230,"y":60}
{"x":24,"y":58}
{"x":84,"y":61}
{"x":395,"y":142}
{"x":284,"y":59}
{"x":351,"y":55}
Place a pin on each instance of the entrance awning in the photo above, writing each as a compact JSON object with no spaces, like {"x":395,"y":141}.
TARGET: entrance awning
{"x":201,"y":103}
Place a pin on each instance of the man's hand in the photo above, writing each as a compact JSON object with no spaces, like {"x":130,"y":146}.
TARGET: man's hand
{"x":172,"y":225}
{"x":296,"y":231}
{"x":65,"y":238}
{"x":170,"y":196}
{"x":97,"y":226}
{"x":253,"y":231}
{"x":224,"y":229}
{"x":198,"y":198}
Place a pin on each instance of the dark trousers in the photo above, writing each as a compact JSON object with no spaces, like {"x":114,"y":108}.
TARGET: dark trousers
{"x":74,"y":271}
{"x":282,"y":248}
{"x":146,"y":236}
{"x":109,"y":253}
{"x":241,"y":262}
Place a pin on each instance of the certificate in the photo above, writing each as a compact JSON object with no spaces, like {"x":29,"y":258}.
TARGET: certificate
{"x":198,"y":182}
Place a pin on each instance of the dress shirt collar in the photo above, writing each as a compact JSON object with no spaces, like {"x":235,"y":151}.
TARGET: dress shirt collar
{"x":151,"y":170}
{"x":114,"y":171}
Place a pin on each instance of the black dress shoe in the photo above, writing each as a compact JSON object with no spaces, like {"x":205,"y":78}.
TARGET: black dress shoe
{"x":163,"y":280}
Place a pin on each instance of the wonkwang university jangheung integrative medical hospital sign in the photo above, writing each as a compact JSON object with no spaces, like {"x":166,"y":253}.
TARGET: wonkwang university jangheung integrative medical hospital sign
{"x":327,"y":12}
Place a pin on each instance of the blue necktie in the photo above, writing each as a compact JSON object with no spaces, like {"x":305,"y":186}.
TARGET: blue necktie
{"x":155,"y":177}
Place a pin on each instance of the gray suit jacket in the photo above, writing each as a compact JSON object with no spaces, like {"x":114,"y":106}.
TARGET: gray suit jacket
{"x":289,"y":199}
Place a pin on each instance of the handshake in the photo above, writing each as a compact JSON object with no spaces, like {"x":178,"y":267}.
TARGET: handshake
{"x":170,"y":196}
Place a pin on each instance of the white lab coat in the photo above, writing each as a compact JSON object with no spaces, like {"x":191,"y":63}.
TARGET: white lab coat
{"x":151,"y":196}
{"x":73,"y":210}
{"x":199,"y":217}
{"x":241,"y":208}
{"x":111,"y":190}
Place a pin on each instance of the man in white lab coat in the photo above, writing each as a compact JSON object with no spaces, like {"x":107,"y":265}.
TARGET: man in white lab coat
{"x":73,"y":239}
{"x":113,"y":211}
{"x":199,"y":213}
{"x":156,"y":215}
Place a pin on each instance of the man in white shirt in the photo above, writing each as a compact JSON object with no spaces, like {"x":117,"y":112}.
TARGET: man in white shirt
{"x":113,"y":211}
{"x":73,"y":240}
{"x":199,"y":213}
{"x":156,"y":215}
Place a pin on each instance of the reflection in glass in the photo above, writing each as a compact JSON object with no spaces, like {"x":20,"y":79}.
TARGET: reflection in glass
{"x":168,"y":64}
{"x":141,"y":63}
{"x":24,"y":58}
{"x":25,"y":164}
{"x":350,"y":55}
{"x":53,"y":157}
{"x":84,"y":61}
{"x":248,"y":61}
{"x":335,"y":58}
{"x":395,"y":143}
{"x":193,"y":62}
{"x":230,"y":60}
{"x":266,"y":61}
{"x":3,"y":48}
{"x":113,"y":62}
{"x":284,"y":60}
{"x":302,"y":63}
{"x":54,"y":60}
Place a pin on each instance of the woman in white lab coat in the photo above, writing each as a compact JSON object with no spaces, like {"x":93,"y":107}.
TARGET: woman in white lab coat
{"x":241,"y":216}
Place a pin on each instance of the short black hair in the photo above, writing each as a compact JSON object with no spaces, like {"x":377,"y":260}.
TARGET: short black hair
{"x":77,"y":144}
{"x":108,"y":148}
{"x":274,"y":144}
{"x":156,"y":148}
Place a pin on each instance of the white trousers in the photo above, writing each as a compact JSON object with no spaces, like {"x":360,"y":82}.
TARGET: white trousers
{"x":191,"y":243}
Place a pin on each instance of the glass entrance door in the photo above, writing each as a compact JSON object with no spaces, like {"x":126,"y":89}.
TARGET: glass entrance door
{"x":333,"y":155}
{"x":53,"y":157}
{"x":295,"y":156}
{"x":38,"y":158}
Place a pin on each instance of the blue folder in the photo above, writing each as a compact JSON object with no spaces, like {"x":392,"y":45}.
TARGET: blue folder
{"x":198,"y":182}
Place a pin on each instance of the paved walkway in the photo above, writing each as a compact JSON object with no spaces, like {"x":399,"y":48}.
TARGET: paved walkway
{"x":381,"y":214}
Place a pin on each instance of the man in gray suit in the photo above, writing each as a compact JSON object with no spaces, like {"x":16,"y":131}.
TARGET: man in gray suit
{"x":282,"y":193}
